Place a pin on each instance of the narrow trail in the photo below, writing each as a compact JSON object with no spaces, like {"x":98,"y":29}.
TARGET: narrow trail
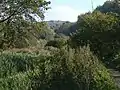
{"x":116,"y":75}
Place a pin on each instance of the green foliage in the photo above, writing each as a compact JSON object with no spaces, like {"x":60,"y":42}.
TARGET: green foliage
{"x":20,"y":81}
{"x":87,"y":68}
{"x":12,"y":32}
{"x":17,"y":20}
{"x":13,"y":63}
{"x":23,"y":34}
{"x":62,"y":27}
{"x":58,"y":43}
{"x":15,"y":9}
{"x":110,"y":6}
{"x":66,"y":28}
{"x":21,"y":71}
{"x":73,"y":70}
{"x":46,"y":32}
{"x":100,"y":31}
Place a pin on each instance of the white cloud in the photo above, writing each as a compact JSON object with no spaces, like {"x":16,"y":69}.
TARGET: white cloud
{"x":64,"y":13}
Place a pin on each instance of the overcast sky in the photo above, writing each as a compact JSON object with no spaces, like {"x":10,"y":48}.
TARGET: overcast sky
{"x":68,"y":10}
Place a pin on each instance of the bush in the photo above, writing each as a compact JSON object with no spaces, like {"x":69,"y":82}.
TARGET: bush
{"x":59,"y":43}
{"x":22,"y":71}
{"x":20,"y":81}
{"x":89,"y":73}
{"x":64,"y":70}
{"x":100,"y":31}
{"x":13,"y":63}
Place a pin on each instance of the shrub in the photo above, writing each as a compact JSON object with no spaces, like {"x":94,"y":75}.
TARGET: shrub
{"x":64,"y":70}
{"x":13,"y":63}
{"x":59,"y":43}
{"x":100,"y":31}
{"x":20,"y":81}
{"x":89,"y":73}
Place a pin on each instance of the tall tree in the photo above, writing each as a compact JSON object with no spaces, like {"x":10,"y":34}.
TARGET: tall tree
{"x":11,"y":9}
{"x":110,"y":6}
{"x":16,"y":17}
{"x":100,"y":31}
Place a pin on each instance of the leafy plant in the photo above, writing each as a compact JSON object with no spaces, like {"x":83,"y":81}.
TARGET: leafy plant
{"x":63,"y":70}
{"x":100,"y":32}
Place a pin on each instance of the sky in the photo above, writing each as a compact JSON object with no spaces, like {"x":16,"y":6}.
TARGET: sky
{"x":68,"y":10}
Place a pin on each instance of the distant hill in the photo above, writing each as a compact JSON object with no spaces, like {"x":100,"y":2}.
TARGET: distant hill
{"x":55,"y":24}
{"x":62,"y":27}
